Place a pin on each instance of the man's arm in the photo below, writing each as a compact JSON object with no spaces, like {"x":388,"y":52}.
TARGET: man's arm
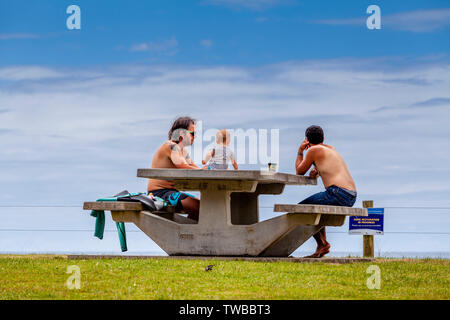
{"x":314,"y":173}
{"x":303,"y":163}
{"x":177,"y":158}
{"x":190,"y":162}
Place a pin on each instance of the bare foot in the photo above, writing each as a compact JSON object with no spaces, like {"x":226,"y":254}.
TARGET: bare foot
{"x":320,"y":251}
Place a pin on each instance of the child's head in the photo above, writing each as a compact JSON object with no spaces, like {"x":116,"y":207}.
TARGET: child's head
{"x":223,"y":137}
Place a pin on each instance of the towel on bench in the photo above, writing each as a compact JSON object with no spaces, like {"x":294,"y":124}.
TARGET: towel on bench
{"x":147,"y":202}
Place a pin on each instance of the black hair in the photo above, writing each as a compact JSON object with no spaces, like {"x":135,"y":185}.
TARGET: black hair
{"x":179,"y":123}
{"x":314,"y":134}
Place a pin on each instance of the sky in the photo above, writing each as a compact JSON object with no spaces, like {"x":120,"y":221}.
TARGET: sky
{"x":81,"y":110}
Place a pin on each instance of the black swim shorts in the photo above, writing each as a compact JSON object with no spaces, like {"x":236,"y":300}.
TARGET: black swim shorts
{"x":172,"y":196}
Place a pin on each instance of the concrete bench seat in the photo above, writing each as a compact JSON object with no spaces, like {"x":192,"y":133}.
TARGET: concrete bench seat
{"x":113,"y":206}
{"x":319,"y":209}
{"x":120,"y":206}
{"x":128,"y":211}
{"x":314,"y":217}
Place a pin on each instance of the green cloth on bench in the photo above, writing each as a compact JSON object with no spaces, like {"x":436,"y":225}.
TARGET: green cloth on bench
{"x":100,"y":223}
{"x":100,"y":228}
{"x":122,"y":235}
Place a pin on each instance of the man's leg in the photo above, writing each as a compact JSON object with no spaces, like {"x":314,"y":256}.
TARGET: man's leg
{"x":323,"y":247}
{"x":333,"y":196}
{"x":180,"y":200}
{"x":191,"y":206}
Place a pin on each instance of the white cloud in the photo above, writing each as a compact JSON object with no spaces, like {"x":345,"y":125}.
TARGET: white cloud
{"x":167,"y":46}
{"x":28,"y":73}
{"x":112,"y":119}
{"x":15,"y":36}
{"x":419,"y":20}
{"x":248,"y":4}
{"x":140,"y":47}
{"x":342,"y":22}
{"x":413,"y":21}
{"x":206,"y":43}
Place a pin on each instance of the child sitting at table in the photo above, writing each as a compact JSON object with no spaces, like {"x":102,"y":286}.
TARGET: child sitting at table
{"x":221,"y":155}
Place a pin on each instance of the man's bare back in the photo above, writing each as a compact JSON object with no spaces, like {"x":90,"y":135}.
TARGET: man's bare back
{"x":331,"y":167}
{"x":161,"y":159}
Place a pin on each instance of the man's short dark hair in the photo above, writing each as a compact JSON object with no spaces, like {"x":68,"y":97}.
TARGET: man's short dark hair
{"x":179,"y":123}
{"x":314,"y":134}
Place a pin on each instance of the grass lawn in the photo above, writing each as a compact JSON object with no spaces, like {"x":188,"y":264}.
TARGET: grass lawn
{"x":44,"y":277}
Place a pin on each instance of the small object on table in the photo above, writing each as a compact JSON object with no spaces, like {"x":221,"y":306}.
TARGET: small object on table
{"x":273,"y":167}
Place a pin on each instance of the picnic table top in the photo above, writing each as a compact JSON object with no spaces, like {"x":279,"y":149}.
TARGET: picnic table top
{"x":230,"y":175}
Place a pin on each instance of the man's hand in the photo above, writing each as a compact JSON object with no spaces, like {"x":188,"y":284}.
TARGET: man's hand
{"x":313,"y":173}
{"x":304,"y":146}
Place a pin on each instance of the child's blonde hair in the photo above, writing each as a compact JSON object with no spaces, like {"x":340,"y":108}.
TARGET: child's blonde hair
{"x":223,"y":137}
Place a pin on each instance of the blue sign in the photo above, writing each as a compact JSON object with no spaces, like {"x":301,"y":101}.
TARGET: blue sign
{"x":373,"y":224}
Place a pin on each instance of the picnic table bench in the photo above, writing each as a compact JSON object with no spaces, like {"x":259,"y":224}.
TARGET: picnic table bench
{"x":228,"y":222}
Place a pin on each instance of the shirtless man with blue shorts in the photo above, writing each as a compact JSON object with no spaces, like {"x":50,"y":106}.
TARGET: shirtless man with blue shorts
{"x":173,"y":155}
{"x":336,"y":178}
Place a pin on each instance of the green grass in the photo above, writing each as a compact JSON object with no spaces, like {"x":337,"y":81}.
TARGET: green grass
{"x":44,"y":277}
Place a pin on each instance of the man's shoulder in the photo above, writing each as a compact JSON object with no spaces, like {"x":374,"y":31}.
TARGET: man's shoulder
{"x":322,"y":147}
{"x":167,"y":147}
{"x":316,"y":149}
{"x":329,"y":151}
{"x":320,"y":151}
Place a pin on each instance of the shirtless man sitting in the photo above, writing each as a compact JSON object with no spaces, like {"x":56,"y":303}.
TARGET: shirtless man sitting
{"x":173,"y":154}
{"x":339,"y":184}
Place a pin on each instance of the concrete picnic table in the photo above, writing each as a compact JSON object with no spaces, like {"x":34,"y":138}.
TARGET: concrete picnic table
{"x":228,"y":222}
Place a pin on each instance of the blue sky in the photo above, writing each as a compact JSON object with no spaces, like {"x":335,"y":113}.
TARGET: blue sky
{"x":81,"y":110}
{"x":212,"y":32}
